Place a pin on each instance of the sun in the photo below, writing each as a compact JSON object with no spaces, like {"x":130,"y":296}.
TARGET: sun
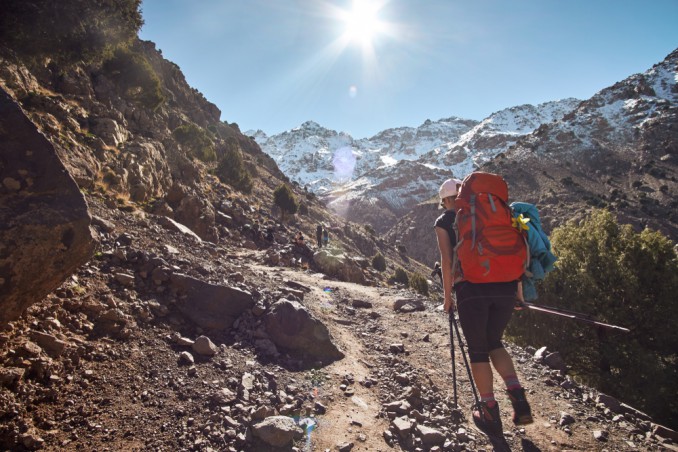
{"x":362,"y":22}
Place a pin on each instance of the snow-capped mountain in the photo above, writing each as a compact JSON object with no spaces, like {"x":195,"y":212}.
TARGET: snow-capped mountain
{"x":357,"y":177}
{"x":496,"y":134}
{"x":323,"y":159}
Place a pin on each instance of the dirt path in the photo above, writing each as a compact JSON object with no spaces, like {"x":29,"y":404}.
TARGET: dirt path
{"x":366,"y":334}
{"x":140,"y":388}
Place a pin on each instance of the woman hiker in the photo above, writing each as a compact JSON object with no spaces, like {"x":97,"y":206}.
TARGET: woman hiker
{"x":484,"y":311}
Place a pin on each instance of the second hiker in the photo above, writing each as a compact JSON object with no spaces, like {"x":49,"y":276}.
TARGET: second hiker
{"x":319,"y":235}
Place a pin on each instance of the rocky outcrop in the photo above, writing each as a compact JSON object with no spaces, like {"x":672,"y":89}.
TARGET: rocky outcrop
{"x":44,"y":222}
{"x":210,"y":306}
{"x":292,"y":327}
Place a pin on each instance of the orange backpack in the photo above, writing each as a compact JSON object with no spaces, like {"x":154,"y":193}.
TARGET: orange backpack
{"x":489,"y":248}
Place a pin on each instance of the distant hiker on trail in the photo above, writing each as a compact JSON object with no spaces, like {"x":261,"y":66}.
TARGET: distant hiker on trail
{"x":484,"y":308}
{"x":319,"y":235}
{"x":326,"y":237}
{"x":301,"y":246}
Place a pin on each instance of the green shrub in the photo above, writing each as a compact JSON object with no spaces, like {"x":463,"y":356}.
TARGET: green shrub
{"x":196,"y":141}
{"x":285,"y":199}
{"x":68,"y":31}
{"x":303,"y":210}
{"x":624,"y":278}
{"x":231,"y":168}
{"x":419,"y":283}
{"x":135,"y":77}
{"x":379,"y":262}
{"x":400,"y":276}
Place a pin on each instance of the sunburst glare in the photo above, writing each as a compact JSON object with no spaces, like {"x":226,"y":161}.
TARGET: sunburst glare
{"x":362,"y":22}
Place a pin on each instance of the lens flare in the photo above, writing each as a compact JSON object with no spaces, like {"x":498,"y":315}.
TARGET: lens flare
{"x":344,"y":164}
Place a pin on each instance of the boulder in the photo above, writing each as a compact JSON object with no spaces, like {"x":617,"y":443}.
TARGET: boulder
{"x":204,"y":346}
{"x":555,"y":361}
{"x":609,"y":402}
{"x":210,"y":306}
{"x":199,"y":215}
{"x":664,"y":432}
{"x":44,"y":222}
{"x":277,"y":431}
{"x":408,"y":305}
{"x":178,"y":227}
{"x":292,"y":327}
{"x":430,"y":436}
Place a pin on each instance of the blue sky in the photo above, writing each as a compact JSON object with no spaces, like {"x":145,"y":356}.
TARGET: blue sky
{"x":364,"y":66}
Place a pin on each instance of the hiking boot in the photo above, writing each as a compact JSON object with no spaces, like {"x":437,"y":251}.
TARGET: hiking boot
{"x":488,"y":421}
{"x":522,"y":414}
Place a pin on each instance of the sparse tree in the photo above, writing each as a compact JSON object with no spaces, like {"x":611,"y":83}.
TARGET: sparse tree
{"x":400,"y":276}
{"x":68,"y":31}
{"x":197,"y":142}
{"x":231,"y":168}
{"x":624,"y":278}
{"x":284,"y":198}
{"x":419,"y":283}
{"x":379,"y":262}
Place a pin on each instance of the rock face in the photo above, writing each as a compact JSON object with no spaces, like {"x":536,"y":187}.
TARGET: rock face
{"x":209,"y":305}
{"x":292,"y":327}
{"x":44,"y":222}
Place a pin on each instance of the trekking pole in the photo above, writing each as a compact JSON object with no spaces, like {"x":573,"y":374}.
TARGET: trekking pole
{"x":571,"y":315}
{"x":437,"y":271}
{"x":455,"y":329}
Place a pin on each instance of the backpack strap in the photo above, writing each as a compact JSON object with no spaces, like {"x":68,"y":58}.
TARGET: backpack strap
{"x":472,"y":203}
{"x":494,"y":208}
{"x":456,"y":267}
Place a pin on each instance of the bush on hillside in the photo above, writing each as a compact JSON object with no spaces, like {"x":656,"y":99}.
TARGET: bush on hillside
{"x":284,"y":198}
{"x":623,"y":278}
{"x":135,"y":78}
{"x":303,"y":209}
{"x":379,"y":262}
{"x":68,"y":31}
{"x":231,"y":168}
{"x":400,"y":276}
{"x":419,"y":283}
{"x":196,"y":141}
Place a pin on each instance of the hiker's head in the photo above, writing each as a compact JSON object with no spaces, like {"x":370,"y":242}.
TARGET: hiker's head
{"x":448,"y":192}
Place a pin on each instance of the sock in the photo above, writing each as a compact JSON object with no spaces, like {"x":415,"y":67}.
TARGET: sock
{"x":512,"y":382}
{"x":489,"y":399}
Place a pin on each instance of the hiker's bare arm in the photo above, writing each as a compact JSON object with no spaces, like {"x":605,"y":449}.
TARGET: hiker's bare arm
{"x":519,"y":297}
{"x":445,"y":246}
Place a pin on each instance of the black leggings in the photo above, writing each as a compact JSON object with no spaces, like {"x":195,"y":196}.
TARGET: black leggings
{"x":484,"y":312}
